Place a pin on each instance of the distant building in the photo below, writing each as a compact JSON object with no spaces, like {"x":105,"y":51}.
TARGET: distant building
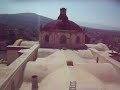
{"x":62,"y":33}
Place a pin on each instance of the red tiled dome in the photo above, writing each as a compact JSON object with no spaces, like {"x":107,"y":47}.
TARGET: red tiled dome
{"x":62,"y":25}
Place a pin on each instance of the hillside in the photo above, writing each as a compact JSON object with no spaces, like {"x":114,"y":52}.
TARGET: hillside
{"x":23,"y":25}
{"x":23,"y":19}
{"x":110,"y":37}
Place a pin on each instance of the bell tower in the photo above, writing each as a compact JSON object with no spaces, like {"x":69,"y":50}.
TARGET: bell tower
{"x":63,"y":15}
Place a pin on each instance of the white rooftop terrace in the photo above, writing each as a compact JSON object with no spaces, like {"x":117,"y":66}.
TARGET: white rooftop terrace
{"x":54,"y":73}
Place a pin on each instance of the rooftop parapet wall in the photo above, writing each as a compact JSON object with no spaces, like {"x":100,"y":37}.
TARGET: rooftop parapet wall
{"x":12,"y":52}
{"x":18,"y":42}
{"x":105,"y":58}
{"x":11,"y":76}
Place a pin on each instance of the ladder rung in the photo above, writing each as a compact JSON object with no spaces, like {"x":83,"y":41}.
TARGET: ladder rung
{"x":72,"y":85}
{"x":72,"y":88}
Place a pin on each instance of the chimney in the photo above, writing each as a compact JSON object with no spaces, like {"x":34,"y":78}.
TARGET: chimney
{"x":34,"y":82}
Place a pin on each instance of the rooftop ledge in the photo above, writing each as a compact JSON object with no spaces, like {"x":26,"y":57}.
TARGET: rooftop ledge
{"x":8,"y":72}
{"x":115,"y":63}
{"x":12,"y":47}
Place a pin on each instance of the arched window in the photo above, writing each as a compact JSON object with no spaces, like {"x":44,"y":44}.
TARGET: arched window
{"x":77,"y":39}
{"x":46,"y":38}
{"x":63,"y":39}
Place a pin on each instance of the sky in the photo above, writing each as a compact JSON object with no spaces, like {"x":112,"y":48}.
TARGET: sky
{"x":98,"y":13}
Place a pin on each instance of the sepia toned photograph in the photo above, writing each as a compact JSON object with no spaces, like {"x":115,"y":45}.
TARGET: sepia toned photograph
{"x":59,"y":44}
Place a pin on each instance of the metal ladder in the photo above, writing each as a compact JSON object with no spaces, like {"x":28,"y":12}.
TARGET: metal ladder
{"x":72,"y":85}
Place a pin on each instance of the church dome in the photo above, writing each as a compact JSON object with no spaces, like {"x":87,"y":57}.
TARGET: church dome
{"x":62,"y":23}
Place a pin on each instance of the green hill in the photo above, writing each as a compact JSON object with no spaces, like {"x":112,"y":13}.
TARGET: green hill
{"x":23,"y":25}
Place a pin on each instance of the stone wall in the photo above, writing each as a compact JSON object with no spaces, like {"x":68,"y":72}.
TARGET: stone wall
{"x":11,"y":76}
{"x":12,"y":52}
{"x":54,"y":39}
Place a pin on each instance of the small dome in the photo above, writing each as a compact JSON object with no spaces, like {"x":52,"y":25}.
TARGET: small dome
{"x":62,"y":25}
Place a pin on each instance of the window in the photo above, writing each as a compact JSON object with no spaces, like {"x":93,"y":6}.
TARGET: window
{"x":63,"y":39}
{"x":46,"y":38}
{"x":77,"y":39}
